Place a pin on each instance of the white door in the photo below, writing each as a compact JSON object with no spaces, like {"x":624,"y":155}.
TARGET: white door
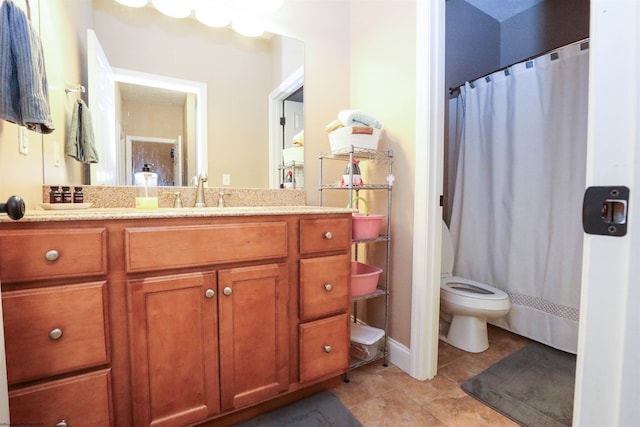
{"x":294,"y":120}
{"x":294,"y":123}
{"x":101,"y":104}
{"x":608,"y":369}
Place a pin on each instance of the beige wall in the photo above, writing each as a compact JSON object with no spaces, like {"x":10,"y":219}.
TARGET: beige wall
{"x":383,"y":82}
{"x":152,"y":120}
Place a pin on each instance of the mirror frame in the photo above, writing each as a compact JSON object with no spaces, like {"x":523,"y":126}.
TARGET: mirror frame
{"x":121,"y":75}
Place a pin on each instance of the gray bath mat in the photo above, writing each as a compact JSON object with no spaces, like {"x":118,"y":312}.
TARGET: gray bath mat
{"x":533,"y":386}
{"x":323,"y":409}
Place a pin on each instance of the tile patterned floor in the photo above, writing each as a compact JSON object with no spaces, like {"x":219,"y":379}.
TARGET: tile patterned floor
{"x":385,"y":397}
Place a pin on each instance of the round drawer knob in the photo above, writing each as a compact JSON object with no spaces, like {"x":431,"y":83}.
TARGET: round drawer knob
{"x":328,"y":287}
{"x":227,"y":291}
{"x":328,"y":235}
{"x":327,"y":349}
{"x":62,"y":423}
{"x":52,"y":255}
{"x":209,"y":293}
{"x":55,"y":334}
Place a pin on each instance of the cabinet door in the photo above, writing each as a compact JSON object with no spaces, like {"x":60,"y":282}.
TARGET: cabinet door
{"x":254,"y":340}
{"x":174,"y":354}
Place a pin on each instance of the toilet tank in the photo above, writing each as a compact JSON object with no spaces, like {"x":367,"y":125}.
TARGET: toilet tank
{"x":446,"y":258}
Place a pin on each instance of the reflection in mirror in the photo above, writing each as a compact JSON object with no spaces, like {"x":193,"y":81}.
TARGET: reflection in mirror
{"x":242,"y":139}
{"x":161,"y":122}
{"x":239,"y":74}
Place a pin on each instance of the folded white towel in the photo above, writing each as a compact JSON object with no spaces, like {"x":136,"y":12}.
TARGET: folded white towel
{"x":24,"y":97}
{"x":298,"y":139}
{"x":80,"y":138}
{"x":358,"y":118}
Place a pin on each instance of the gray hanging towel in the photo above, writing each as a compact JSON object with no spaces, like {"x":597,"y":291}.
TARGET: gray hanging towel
{"x":80,"y":138}
{"x":24,"y":96}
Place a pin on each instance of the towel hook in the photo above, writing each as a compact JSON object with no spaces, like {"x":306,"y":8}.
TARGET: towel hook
{"x":75,"y":88}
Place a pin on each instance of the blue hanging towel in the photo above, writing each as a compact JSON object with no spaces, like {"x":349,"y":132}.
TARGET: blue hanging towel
{"x":80,"y":137}
{"x":24,"y":97}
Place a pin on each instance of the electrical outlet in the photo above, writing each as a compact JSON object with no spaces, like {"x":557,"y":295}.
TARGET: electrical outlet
{"x":23,"y":140}
{"x":226,"y":179}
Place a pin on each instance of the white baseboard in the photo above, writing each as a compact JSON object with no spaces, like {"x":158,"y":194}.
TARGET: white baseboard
{"x":399,"y":355}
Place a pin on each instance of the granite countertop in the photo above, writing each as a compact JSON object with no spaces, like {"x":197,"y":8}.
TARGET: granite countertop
{"x":96,"y":214}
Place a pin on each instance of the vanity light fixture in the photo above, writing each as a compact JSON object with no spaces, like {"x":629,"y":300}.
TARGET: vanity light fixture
{"x":242,"y":14}
{"x":173,"y":8}
{"x":133,"y":3}
{"x":213,"y":14}
{"x":247,"y":26}
{"x":260,"y":6}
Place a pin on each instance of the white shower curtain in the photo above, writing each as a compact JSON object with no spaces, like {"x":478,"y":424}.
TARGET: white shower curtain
{"x":516,"y":213}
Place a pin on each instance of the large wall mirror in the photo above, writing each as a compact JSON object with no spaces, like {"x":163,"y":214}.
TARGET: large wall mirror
{"x":225,"y":122}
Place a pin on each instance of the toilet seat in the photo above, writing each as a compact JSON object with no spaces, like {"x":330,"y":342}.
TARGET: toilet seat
{"x":452,"y":290}
{"x":470,"y":288}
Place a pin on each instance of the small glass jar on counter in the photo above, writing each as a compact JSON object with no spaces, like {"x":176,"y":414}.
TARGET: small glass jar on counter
{"x":67,"y":197}
{"x":78,"y":195}
{"x":55,"y":196}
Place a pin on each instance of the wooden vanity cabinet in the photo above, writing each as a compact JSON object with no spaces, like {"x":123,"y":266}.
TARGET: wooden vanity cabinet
{"x":171,"y":321}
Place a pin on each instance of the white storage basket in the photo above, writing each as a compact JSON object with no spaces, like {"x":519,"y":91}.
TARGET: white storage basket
{"x":342,"y":139}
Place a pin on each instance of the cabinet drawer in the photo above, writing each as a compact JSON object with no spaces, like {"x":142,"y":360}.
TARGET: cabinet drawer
{"x":54,"y":330}
{"x":324,"y":347}
{"x":49,"y":254}
{"x":155,"y":248}
{"x":322,"y":235}
{"x":83,"y":400}
{"x":324,"y":286}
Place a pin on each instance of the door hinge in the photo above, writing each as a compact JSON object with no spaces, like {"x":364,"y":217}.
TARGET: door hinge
{"x":441,"y":200}
{"x":283,"y":121}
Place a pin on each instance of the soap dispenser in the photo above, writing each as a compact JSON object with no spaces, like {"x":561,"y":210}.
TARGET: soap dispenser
{"x":146,"y":183}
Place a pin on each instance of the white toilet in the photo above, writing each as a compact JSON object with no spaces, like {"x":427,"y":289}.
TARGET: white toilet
{"x":467,"y":304}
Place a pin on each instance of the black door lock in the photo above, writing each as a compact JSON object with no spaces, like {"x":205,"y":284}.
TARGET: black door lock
{"x":604,"y":210}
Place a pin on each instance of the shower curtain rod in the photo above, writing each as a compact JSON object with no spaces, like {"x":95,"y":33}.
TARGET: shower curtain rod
{"x":582,"y":42}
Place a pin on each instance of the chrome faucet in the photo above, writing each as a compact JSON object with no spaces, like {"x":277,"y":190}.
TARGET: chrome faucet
{"x":200,"y":200}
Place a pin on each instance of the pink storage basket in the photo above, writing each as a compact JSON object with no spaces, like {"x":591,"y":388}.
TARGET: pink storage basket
{"x":364,"y":278}
{"x":366,"y":226}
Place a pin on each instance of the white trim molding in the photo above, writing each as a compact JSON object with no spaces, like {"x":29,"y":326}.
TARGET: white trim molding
{"x":425,"y":300}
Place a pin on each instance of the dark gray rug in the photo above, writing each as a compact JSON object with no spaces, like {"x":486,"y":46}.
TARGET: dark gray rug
{"x":323,"y":409}
{"x":533,"y":386}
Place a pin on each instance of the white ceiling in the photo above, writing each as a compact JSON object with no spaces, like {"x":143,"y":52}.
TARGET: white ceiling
{"x":501,"y":10}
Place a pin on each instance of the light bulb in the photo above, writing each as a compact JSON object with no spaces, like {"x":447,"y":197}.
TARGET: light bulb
{"x":213,"y":14}
{"x":133,"y":3}
{"x":173,"y":8}
{"x":269,"y":6}
{"x":247,"y":27}
{"x":259,"y":6}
